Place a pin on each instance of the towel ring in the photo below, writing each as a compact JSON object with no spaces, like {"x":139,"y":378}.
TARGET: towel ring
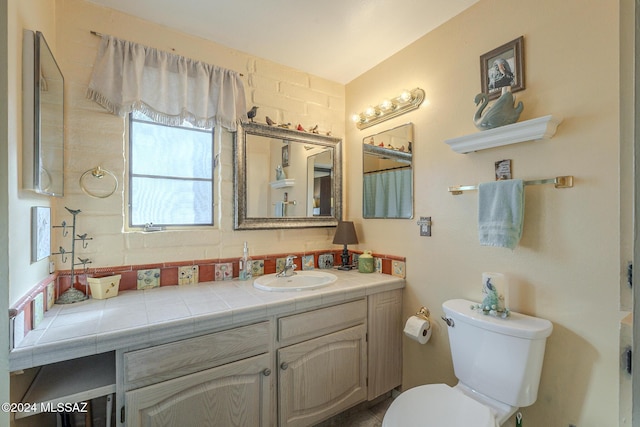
{"x":98,"y":173}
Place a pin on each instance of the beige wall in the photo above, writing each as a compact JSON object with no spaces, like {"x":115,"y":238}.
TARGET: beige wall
{"x":567,"y":266}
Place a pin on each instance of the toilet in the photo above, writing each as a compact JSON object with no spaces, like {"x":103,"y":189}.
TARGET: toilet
{"x":497,"y":362}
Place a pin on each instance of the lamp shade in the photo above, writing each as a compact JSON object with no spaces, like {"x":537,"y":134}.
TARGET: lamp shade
{"x":345,"y":234}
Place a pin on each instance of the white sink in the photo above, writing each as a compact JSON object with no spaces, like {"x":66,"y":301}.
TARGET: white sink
{"x":300,"y":281}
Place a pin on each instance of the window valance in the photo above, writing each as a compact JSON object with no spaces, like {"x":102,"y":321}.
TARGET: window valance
{"x":166,"y":87}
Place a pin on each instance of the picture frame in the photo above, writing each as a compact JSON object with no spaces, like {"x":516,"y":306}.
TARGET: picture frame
{"x":501,"y":67}
{"x":40,"y":233}
{"x":285,"y":155}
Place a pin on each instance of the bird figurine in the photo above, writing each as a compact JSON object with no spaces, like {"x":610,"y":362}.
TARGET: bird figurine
{"x":501,"y":113}
{"x":284,"y":125}
{"x":270,"y":122}
{"x":314,"y":129}
{"x":300,"y":128}
{"x":73,"y":211}
{"x":251,"y":114}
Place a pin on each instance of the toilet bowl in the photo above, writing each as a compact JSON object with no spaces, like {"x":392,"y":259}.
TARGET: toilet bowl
{"x":438,"y":405}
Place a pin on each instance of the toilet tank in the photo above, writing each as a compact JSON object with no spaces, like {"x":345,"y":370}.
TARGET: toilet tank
{"x":500,"y":358}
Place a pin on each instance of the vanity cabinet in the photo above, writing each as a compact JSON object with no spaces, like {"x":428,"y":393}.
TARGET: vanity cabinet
{"x":290,"y":370}
{"x":385,"y":342}
{"x":325,"y":375}
{"x":225,"y":378}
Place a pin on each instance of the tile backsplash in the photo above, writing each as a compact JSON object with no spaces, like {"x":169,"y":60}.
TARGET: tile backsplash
{"x":31,"y":307}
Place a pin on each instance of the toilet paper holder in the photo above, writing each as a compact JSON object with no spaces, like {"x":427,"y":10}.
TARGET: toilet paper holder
{"x":423,"y":313}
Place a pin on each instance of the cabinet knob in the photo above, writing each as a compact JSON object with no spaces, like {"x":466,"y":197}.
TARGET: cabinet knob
{"x":266,"y":372}
{"x":284,"y":366}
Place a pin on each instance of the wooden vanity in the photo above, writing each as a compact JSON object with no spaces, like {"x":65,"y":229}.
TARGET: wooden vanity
{"x":291,"y":359}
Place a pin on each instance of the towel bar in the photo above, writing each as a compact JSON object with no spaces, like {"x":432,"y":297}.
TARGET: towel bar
{"x":558,"y":182}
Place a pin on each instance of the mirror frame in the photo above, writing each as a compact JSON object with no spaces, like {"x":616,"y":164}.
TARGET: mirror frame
{"x":34,"y":46}
{"x":241,"y":221}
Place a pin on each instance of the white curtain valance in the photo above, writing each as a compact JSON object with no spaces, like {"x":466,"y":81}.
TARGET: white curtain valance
{"x":167,"y":88}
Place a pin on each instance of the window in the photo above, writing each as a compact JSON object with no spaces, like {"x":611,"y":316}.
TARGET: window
{"x":170,"y":174}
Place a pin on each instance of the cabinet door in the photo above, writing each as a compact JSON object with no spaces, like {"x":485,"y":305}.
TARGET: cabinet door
{"x":322,"y":377}
{"x":385,"y":342}
{"x":236,"y":394}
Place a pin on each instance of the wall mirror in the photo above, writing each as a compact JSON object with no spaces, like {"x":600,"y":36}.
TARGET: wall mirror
{"x":284,"y":178}
{"x":43,"y":117}
{"x":387,"y":188}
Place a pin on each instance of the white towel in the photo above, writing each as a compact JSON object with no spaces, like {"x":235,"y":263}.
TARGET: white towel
{"x":279,"y":209}
{"x":501,"y":213}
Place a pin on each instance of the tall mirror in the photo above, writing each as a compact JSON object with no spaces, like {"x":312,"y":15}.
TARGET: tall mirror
{"x":286,"y":179}
{"x":388,"y":174}
{"x":43,"y":117}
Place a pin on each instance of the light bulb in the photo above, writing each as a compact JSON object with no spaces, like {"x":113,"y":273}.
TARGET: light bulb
{"x":355,"y":118}
{"x":405,"y":96}
{"x":386,"y":105}
{"x":370,"y":112}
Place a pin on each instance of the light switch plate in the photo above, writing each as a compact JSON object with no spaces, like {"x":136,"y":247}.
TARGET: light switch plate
{"x":425,"y":226}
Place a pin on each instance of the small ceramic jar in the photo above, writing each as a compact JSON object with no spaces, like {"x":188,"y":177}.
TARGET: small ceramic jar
{"x":365,"y":262}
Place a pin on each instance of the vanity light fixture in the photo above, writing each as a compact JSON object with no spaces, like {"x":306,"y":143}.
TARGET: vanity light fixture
{"x":408,"y":100}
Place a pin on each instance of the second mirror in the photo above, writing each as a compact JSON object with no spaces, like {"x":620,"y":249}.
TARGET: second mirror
{"x":388,"y":173}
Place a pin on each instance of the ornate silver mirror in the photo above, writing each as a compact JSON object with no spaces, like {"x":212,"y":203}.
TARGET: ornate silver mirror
{"x":388,"y":174}
{"x":284,"y":178}
{"x":43,"y":118}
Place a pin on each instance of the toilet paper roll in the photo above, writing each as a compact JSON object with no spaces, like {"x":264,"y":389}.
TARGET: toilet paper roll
{"x":418,"y":329}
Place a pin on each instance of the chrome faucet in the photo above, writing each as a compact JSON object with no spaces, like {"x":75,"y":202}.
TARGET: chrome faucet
{"x":289,"y":267}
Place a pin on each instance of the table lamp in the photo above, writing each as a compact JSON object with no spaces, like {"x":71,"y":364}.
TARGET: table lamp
{"x":345,"y":235}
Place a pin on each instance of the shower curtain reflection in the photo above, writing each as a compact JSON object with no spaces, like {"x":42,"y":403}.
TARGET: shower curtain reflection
{"x":388,"y":194}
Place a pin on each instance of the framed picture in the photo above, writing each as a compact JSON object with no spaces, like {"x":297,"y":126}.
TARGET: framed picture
{"x":285,"y":155}
{"x":40,"y":233}
{"x":503,"y":66}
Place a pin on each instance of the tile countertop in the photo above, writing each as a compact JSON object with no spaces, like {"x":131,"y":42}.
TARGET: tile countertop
{"x":167,"y":313}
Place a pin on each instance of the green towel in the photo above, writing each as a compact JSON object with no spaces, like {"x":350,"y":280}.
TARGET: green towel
{"x":501,"y":213}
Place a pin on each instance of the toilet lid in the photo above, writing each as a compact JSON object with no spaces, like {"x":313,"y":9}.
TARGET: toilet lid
{"x":437,"y":405}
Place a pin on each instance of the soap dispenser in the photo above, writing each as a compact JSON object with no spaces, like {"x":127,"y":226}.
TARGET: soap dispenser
{"x":245,"y":268}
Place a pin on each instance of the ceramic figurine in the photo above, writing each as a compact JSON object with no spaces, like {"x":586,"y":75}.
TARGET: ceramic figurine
{"x":280,"y":175}
{"x":270,"y":122}
{"x":501,"y":113}
{"x":300,"y":128}
{"x":251,"y":114}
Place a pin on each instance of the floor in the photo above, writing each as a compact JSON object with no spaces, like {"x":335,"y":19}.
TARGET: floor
{"x":368,"y":415}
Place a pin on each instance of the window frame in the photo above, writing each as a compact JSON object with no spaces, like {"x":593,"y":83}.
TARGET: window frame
{"x":130,"y":175}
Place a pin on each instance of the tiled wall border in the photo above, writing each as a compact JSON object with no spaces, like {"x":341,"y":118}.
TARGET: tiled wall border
{"x":391,"y":264}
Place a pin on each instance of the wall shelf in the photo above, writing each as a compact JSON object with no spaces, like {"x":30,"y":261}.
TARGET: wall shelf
{"x":282,"y":183}
{"x":529,"y":130}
